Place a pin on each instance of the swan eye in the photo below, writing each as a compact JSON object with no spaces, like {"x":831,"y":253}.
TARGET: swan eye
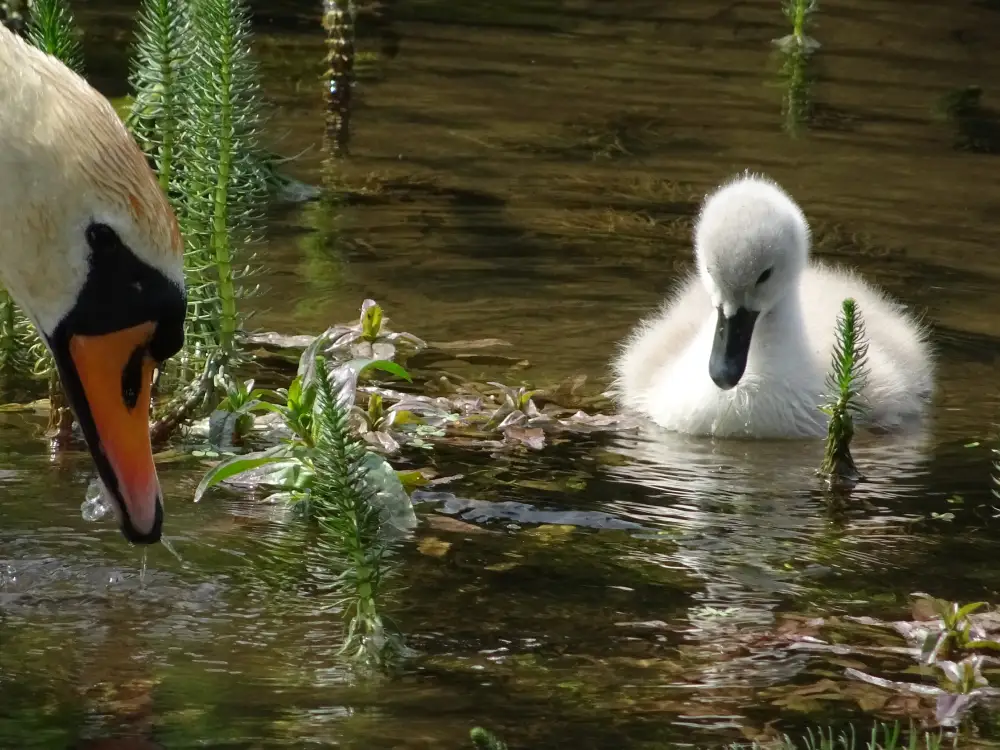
{"x":764,"y":276}
{"x":102,"y":238}
{"x":107,"y":249}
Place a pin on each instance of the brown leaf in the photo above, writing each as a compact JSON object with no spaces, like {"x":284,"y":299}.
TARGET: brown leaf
{"x":533,"y":437}
{"x":452,"y":525}
{"x":922,"y":609}
{"x":873,"y":700}
{"x":469,"y":344}
{"x":823,"y":686}
{"x":433,"y":547}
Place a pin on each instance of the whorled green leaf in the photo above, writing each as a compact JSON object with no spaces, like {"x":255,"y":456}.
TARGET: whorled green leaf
{"x":52,"y":30}
{"x":220,"y":184}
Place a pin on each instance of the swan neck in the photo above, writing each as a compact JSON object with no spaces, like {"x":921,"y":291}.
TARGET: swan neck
{"x":784,"y":320}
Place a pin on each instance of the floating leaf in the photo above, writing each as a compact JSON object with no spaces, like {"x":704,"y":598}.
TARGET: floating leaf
{"x":533,"y":437}
{"x":238,"y":465}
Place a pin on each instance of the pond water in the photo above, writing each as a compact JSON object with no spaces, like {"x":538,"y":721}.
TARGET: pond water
{"x":534,"y":167}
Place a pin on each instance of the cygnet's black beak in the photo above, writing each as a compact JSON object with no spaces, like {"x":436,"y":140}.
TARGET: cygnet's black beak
{"x":731,"y":347}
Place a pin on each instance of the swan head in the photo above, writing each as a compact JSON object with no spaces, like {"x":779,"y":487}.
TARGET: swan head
{"x":90,"y":250}
{"x":752,"y":244}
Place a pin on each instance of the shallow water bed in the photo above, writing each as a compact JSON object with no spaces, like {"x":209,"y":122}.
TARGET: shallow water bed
{"x":648,"y":608}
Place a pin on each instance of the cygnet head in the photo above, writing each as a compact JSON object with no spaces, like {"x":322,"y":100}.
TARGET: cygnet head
{"x":751,"y":243}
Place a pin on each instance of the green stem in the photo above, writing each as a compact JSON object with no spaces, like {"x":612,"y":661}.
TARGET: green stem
{"x":800,"y":19}
{"x":220,"y":225}
{"x":169,"y":122}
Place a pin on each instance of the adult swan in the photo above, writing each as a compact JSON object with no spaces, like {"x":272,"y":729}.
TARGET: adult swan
{"x":90,"y":250}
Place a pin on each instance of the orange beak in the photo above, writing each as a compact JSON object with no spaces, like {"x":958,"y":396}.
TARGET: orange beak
{"x":115,"y":372}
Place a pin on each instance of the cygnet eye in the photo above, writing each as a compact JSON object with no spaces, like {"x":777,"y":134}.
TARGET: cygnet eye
{"x":764,"y":276}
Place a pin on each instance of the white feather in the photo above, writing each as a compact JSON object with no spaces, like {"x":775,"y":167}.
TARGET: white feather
{"x":66,"y":160}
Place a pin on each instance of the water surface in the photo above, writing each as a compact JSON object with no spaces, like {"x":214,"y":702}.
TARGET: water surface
{"x":533,"y":170}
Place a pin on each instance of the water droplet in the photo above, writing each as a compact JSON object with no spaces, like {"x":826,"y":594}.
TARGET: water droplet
{"x":97,"y":503}
{"x":170,"y":548}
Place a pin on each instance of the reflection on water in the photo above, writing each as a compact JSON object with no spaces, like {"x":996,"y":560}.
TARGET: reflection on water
{"x":753,"y":522}
{"x":529,"y":171}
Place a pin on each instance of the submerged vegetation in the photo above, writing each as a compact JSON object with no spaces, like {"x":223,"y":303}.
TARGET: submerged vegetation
{"x":333,"y":480}
{"x":483,"y":739}
{"x":800,"y":14}
{"x":795,"y":52}
{"x":882,"y":737}
{"x":338,"y":21}
{"x":976,"y":127}
{"x":796,"y":82}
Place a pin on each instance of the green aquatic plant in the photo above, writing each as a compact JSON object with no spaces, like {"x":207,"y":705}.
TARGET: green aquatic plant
{"x":962,"y":678}
{"x":459,"y":410}
{"x":848,"y":372}
{"x":51,"y":29}
{"x":351,"y":495}
{"x":159,"y":73}
{"x":222,"y":186}
{"x":796,"y":78}
{"x":298,"y":408}
{"x":350,"y":516}
{"x":958,"y":636}
{"x":484,"y":739}
{"x":187,"y":403}
{"x":883,"y":736}
{"x":237,"y":422}
{"x":338,"y":21}
{"x":800,"y":13}
{"x":976,"y":127}
{"x":197,"y":114}
{"x":370,"y":337}
{"x":796,"y":73}
{"x":16,"y":337}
